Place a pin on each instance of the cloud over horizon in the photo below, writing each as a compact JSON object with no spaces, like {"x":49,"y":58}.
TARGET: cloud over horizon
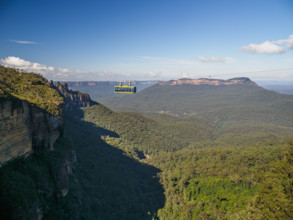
{"x":64,"y":74}
{"x":216,"y":59}
{"x":47,"y":71}
{"x":270,"y":47}
{"x":23,"y":42}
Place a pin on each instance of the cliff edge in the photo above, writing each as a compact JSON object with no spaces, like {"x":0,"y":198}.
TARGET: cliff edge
{"x":211,"y":82}
{"x":36,"y":160}
{"x":31,"y":112}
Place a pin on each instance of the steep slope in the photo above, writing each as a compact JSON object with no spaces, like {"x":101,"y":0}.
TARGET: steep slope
{"x":31,"y":87}
{"x":30,"y":113}
{"x":215,"y":100}
{"x":36,"y":172}
{"x":25,"y":129}
{"x":113,"y":185}
{"x":71,"y":174}
{"x":149,"y":133}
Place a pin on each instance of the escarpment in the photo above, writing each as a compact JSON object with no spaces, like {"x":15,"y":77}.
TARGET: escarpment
{"x":25,"y":129}
{"x":211,"y":82}
{"x":72,"y":98}
{"x":36,"y":160}
{"x":31,"y":112}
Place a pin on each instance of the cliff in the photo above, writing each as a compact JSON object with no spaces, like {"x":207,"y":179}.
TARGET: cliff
{"x":211,"y":82}
{"x":31,"y":114}
{"x":25,"y":129}
{"x":72,"y":98}
{"x":36,"y":161}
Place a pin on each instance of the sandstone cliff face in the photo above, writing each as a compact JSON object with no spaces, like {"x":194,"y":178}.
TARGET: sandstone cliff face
{"x":30,"y":187}
{"x":25,"y":129}
{"x":73,"y":98}
{"x":212,"y":82}
{"x":28,"y":130}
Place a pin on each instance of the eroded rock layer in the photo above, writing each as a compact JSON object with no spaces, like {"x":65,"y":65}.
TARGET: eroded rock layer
{"x":25,"y":129}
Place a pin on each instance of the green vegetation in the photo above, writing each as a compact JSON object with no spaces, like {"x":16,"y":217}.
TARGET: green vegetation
{"x":217,"y":104}
{"x":113,"y":185}
{"x":149,"y":134}
{"x":223,"y":182}
{"x":31,"y":87}
{"x":229,"y":155}
{"x":215,"y":176}
{"x":29,"y":186}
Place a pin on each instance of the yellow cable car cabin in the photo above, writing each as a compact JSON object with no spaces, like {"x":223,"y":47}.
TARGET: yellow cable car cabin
{"x":125,"y":88}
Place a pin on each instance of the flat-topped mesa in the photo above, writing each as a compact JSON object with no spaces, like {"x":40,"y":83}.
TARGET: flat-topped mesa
{"x":212,"y":82}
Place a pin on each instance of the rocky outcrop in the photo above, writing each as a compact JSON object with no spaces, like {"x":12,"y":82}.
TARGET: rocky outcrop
{"x":73,"y":98}
{"x":25,"y":129}
{"x":212,"y":82}
{"x":31,"y":124}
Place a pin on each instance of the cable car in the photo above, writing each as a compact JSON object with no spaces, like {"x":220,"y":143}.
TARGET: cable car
{"x":124,"y":88}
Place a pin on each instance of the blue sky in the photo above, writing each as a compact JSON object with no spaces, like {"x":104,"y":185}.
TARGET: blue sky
{"x":148,"y":40}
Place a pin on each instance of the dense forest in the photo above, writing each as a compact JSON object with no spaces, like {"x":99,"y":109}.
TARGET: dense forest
{"x":246,"y":175}
{"x":143,"y":165}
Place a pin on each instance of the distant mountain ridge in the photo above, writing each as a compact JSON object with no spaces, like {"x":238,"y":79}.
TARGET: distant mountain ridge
{"x":218,"y":101}
{"x":103,"y":83}
{"x":206,"y":81}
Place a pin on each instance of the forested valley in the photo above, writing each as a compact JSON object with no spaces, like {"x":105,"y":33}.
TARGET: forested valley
{"x":227,"y":161}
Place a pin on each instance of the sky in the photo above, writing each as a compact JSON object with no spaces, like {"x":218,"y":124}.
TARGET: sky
{"x":100,"y":40}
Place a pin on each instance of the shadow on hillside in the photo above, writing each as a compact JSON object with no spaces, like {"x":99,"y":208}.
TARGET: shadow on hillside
{"x":114,"y":186}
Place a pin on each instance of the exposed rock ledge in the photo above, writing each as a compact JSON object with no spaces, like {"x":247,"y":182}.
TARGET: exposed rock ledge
{"x":72,"y":98}
{"x":25,"y":129}
{"x":212,"y":82}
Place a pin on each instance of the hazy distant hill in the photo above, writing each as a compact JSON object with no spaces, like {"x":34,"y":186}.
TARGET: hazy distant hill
{"x":102,"y":89}
{"x":281,"y":87}
{"x":219,"y":101}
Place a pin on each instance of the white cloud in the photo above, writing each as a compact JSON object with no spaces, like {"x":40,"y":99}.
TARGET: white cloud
{"x":65,"y":74}
{"x":265,"y":48}
{"x":48,"y":71}
{"x":288,"y":43}
{"x":23,"y":42}
{"x":22,"y":64}
{"x":216,"y":59}
{"x":268,"y":47}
